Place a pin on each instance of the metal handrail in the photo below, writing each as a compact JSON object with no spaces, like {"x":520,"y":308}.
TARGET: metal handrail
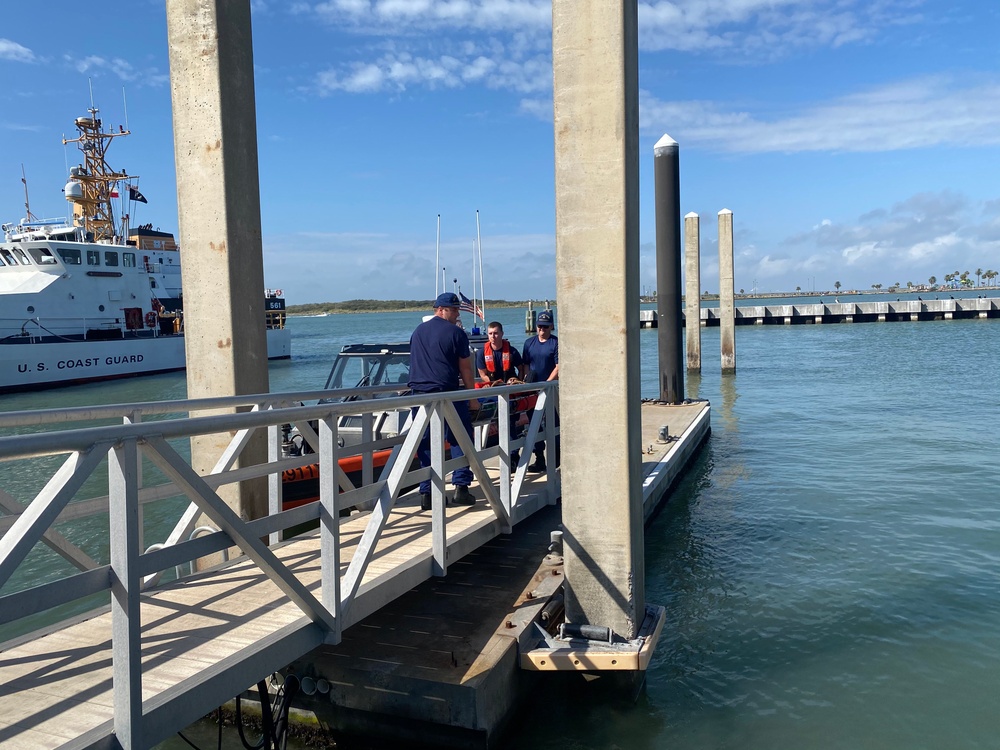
{"x":87,"y":446}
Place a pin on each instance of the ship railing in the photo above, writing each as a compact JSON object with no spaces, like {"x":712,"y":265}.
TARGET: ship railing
{"x":36,"y":328}
{"x":50,"y":460}
{"x":275,"y":319}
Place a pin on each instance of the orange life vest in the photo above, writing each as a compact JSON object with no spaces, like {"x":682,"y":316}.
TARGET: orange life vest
{"x":488,"y":355}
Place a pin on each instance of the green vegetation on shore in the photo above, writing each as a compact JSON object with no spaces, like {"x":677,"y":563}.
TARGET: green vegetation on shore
{"x":419,"y":305}
{"x":384,"y":305}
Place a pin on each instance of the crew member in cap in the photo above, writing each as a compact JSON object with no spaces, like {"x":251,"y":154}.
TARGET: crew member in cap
{"x":541,"y":360}
{"x":439,"y":357}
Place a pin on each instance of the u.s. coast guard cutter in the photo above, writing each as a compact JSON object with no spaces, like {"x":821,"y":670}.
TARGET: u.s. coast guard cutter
{"x":91,"y":298}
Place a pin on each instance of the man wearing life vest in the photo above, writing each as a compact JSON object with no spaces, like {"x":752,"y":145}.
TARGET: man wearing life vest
{"x":498,"y":360}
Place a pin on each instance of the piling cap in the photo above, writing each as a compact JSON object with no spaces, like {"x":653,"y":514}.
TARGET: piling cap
{"x":665,"y":145}
{"x":447,"y":299}
{"x":544,"y":318}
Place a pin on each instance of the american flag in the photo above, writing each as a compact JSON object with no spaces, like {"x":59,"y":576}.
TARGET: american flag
{"x":469,"y":306}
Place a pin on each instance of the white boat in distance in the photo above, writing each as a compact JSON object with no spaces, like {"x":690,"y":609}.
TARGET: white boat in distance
{"x":89,"y":298}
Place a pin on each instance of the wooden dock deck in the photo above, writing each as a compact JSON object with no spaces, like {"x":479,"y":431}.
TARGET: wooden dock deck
{"x":208,"y":637}
{"x":199,"y":634}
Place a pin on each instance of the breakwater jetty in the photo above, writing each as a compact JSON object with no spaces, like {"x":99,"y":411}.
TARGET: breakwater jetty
{"x":849,"y":312}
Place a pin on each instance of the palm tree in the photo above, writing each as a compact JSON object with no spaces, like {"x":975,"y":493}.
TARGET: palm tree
{"x":932,"y":280}
{"x":979,"y":273}
{"x":948,"y":277}
{"x":798,"y":289}
{"x":836,"y":285}
{"x":909,"y":285}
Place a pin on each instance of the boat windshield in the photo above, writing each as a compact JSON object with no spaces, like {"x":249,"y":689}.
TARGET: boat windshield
{"x":361,"y":371}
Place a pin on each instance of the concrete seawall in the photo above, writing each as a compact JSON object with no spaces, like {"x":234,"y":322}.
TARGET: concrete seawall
{"x":850,"y":312}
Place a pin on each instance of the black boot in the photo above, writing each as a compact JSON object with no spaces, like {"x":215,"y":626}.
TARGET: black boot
{"x":539,"y":464}
{"x":463,"y":496}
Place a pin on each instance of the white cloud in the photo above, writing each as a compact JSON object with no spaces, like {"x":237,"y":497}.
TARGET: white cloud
{"x":863,"y":253}
{"x":764,"y":29}
{"x":349,"y":265}
{"x":540,"y":108}
{"x":752,"y":28}
{"x":916,"y":113}
{"x":507,"y":43}
{"x":928,"y":234}
{"x":416,"y":16}
{"x":13,"y":51}
{"x":399,"y":71}
{"x":96,"y":65}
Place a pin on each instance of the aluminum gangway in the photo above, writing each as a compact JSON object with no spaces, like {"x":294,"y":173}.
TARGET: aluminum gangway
{"x":162,"y":646}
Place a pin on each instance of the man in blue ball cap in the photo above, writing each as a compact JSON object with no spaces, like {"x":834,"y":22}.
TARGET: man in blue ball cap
{"x":439,"y":357}
{"x":541,"y":360}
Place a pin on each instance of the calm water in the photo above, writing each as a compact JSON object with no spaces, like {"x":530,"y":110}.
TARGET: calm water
{"x":831,"y":564}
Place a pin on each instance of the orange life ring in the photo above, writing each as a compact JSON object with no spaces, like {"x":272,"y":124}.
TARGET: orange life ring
{"x":151,"y":319}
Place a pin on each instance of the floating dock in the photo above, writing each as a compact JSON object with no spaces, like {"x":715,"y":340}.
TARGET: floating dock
{"x":446,"y":664}
{"x":849,"y":312}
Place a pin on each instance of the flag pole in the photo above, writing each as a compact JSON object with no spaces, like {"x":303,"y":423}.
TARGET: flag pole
{"x":482,"y":288}
{"x":437,"y":258}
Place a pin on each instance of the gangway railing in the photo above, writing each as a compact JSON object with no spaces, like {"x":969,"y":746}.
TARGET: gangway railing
{"x":129,"y":570}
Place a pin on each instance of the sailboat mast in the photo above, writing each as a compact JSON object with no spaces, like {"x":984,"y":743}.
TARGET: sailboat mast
{"x":482,"y":288}
{"x":437,"y":259}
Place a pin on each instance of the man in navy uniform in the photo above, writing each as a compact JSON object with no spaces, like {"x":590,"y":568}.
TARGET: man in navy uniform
{"x":439,"y":357}
{"x":541,"y":360}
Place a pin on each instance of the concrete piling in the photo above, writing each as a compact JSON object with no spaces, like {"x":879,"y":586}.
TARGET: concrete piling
{"x":218,"y":203}
{"x":727,"y":292}
{"x":666,"y":176}
{"x":596,"y":123}
{"x":692,"y":290}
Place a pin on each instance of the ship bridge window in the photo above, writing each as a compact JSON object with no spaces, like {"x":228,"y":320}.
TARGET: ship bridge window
{"x":70,"y":256}
{"x":42,"y":256}
{"x":128,"y":260}
{"x":22,"y":257}
{"x":110,"y":258}
{"x":93,"y":257}
{"x":6,"y":259}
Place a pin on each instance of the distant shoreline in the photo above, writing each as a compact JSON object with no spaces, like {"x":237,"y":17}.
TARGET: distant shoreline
{"x":385,"y":306}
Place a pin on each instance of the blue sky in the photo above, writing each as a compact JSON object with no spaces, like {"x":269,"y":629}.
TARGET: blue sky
{"x":855,"y":141}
